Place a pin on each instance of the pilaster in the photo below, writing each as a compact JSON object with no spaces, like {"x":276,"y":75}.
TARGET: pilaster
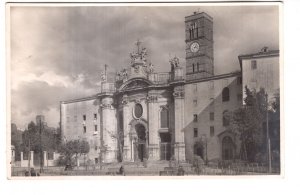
{"x":126,"y":117}
{"x":153,"y":131}
{"x":179,"y":145}
{"x":109,"y":129}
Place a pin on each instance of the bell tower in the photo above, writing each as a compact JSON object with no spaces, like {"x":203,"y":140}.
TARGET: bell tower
{"x":199,"y":46}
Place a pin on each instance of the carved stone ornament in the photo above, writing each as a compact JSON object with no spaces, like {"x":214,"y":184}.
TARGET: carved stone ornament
{"x":125,"y":101}
{"x":136,"y":84}
{"x":137,"y":101}
{"x":106,"y":105}
{"x":178,"y":94}
{"x":152,"y":98}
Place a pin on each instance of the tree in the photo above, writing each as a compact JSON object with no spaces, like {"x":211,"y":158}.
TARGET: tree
{"x":249,"y":123}
{"x":30,"y":138}
{"x":16,"y":140}
{"x":274,"y":129}
{"x":72,"y":149}
{"x":45,"y":140}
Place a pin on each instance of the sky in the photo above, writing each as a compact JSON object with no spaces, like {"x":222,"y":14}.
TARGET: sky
{"x":57,"y":53}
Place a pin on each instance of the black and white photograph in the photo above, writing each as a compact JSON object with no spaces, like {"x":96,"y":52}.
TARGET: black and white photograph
{"x":158,"y":89}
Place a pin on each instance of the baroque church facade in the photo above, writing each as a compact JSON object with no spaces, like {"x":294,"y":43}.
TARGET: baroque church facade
{"x":156,"y":116}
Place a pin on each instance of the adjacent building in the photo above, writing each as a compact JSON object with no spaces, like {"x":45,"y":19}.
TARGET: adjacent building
{"x":261,"y":70}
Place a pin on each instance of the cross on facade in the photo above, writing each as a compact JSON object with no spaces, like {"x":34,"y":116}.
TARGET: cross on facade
{"x":105,"y":68}
{"x":138,"y":43}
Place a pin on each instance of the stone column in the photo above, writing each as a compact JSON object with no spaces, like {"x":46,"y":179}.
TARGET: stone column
{"x":126,"y":118}
{"x":109,"y":129}
{"x":179,"y":145}
{"x":153,"y":131}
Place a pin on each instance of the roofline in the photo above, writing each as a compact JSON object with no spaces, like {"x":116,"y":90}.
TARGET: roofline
{"x":199,"y":13}
{"x":79,"y":99}
{"x":271,"y":53}
{"x":216,"y":77}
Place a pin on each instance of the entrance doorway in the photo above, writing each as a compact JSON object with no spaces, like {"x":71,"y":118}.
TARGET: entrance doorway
{"x":199,"y":149}
{"x":227,"y":148}
{"x":165,"y":146}
{"x":140,"y":143}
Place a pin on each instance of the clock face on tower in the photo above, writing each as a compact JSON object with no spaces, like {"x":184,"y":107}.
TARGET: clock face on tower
{"x":195,"y":47}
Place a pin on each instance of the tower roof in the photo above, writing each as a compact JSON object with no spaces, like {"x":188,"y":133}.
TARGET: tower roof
{"x":197,"y":15}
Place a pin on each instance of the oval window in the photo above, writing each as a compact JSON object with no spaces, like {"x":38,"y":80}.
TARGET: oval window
{"x":138,"y":110}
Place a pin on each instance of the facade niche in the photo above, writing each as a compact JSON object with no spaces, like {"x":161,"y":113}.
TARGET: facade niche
{"x":164,"y":118}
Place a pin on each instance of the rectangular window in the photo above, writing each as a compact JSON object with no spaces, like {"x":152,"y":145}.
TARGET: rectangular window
{"x":212,"y":131}
{"x":96,"y":128}
{"x":253,"y":64}
{"x":84,"y":117}
{"x":195,"y":87}
{"x":95,"y":116}
{"x":84,"y":129}
{"x":50,"y":155}
{"x":212,"y":116}
{"x":195,"y":132}
{"x":195,"y":118}
{"x":195,"y":102}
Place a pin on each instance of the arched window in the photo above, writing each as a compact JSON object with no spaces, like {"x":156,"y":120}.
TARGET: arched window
{"x":225,"y":94}
{"x":225,"y":118}
{"x":164,"y":118}
{"x":193,"y":67}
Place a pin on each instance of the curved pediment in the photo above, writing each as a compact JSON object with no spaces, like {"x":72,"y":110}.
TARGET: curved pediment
{"x":135,"y":83}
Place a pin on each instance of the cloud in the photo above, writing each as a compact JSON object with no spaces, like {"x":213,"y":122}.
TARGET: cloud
{"x":57,"y":53}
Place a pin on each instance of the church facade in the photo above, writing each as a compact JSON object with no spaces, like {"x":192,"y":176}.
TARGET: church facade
{"x":157,"y":116}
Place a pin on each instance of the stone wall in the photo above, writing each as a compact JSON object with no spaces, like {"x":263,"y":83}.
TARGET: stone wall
{"x":73,"y":123}
{"x":201,"y":99}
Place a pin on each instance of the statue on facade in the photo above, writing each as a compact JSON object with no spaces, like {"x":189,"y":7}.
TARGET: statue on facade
{"x":103,"y":77}
{"x":150,"y":68}
{"x":122,"y":74}
{"x":143,"y":54}
{"x":174,"y":63}
{"x":136,"y":69}
{"x":134,"y":57}
{"x":140,"y":55}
